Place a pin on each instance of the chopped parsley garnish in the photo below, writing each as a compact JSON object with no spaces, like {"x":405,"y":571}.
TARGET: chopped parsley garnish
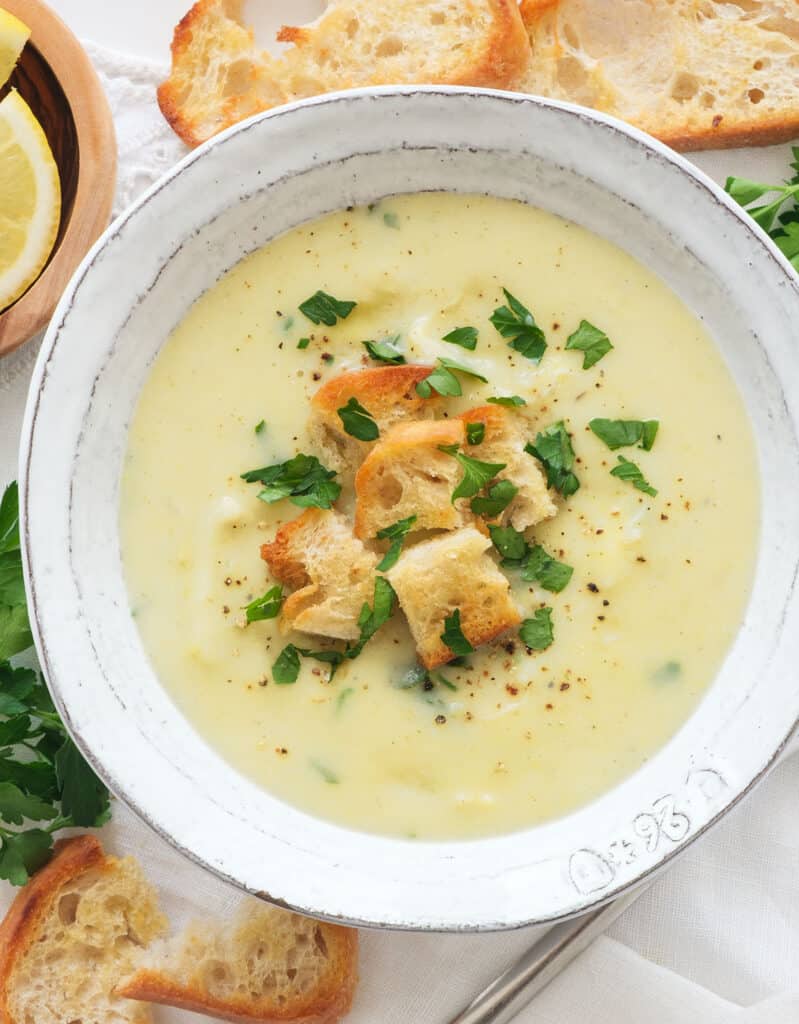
{"x":510,"y":401}
{"x":266,"y":607}
{"x":287,"y":667}
{"x":536,"y":633}
{"x":342,"y":698}
{"x":781,"y":222}
{"x":303,"y":343}
{"x":391,"y":220}
{"x":466,"y":337}
{"x":495,"y":501}
{"x":444,"y":381}
{"x":358,"y":422}
{"x":396,"y":533}
{"x":324,"y":771}
{"x":476,"y":474}
{"x":534,"y":563}
{"x":322,"y":308}
{"x":425,"y":683}
{"x":668,"y":672}
{"x":627,"y":470}
{"x":385,"y":351}
{"x":288,"y":323}
{"x":44,"y":778}
{"x":303,"y":480}
{"x":453,"y":635}
{"x":624,"y":433}
{"x":554,"y":451}
{"x":516,"y":323}
{"x":592,"y":342}
{"x":260,"y":427}
{"x":475,"y":432}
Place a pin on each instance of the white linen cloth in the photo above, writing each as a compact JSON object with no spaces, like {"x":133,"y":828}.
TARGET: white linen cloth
{"x":715,"y":939}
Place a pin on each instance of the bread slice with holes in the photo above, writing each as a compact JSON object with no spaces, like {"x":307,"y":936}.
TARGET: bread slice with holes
{"x":506,"y":434}
{"x":71,"y":934}
{"x":388,"y":393}
{"x":333,"y":574}
{"x":698,"y":74}
{"x":451,"y":571}
{"x":219,"y":76}
{"x":407,"y":474}
{"x":265,"y":965}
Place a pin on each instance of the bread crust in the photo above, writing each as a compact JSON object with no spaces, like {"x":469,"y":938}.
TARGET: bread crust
{"x":382,"y":386}
{"x":71,"y":857}
{"x":325,"y":1005}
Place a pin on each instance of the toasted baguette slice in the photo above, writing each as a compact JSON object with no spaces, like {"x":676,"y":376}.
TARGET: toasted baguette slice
{"x":334,"y":572}
{"x":218,"y":75}
{"x":698,"y":74}
{"x":437,"y":576}
{"x":72,"y":932}
{"x":387,"y":392}
{"x":266,"y":965}
{"x":506,"y":433}
{"x":406,"y":474}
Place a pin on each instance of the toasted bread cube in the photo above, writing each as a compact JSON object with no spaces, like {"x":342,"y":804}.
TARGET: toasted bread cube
{"x":406,"y":474}
{"x":334,"y":572}
{"x":506,"y":433}
{"x":452,"y":571}
{"x":388,"y":393}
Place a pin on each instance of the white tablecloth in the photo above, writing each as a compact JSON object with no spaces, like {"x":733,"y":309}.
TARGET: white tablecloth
{"x":715,"y":939}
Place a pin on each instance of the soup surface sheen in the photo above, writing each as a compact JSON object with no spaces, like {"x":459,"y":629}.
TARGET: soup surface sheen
{"x":659,"y":585}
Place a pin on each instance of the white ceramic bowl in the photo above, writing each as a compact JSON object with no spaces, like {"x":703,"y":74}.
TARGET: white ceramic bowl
{"x":232,"y":196}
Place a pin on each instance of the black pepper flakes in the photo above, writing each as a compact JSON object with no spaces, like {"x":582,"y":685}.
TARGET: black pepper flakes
{"x":593,"y":588}
{"x":441,"y":719}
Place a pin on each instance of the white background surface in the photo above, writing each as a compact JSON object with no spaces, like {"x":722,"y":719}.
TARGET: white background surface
{"x":715,"y":939}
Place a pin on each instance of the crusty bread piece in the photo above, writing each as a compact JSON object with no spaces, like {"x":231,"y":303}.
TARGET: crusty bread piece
{"x":698,"y":74}
{"x":334,"y":572}
{"x":452,"y":571}
{"x":387,"y":392}
{"x":219,"y":76}
{"x":506,"y":433}
{"x":266,"y":965}
{"x":406,"y":474}
{"x":72,"y":932}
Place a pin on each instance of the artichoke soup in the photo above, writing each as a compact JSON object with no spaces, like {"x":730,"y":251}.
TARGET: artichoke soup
{"x":438,"y":516}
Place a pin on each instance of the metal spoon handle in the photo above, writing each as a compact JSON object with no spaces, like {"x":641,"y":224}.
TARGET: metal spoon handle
{"x":505,"y":997}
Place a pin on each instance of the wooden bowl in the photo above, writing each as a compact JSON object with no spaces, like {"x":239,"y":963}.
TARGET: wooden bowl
{"x":57,"y":80}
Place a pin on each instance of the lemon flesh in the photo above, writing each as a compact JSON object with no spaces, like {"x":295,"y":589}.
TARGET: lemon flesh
{"x":13,"y":36}
{"x":30,"y":199}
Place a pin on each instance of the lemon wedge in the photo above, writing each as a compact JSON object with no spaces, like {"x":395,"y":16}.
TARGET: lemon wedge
{"x":13,"y":36}
{"x":30,"y":199}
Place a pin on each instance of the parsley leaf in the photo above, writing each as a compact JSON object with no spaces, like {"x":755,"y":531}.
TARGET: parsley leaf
{"x":496,"y":500}
{"x":466,"y":337}
{"x":623,"y":433}
{"x":453,"y":635}
{"x":554,"y":450}
{"x":592,"y":342}
{"x":782,"y":227}
{"x":260,"y":427}
{"x":23,"y":853}
{"x":330,"y":777}
{"x":627,"y":470}
{"x":9,"y":519}
{"x":385,"y":351}
{"x":516,"y":323}
{"x":540,"y":567}
{"x":287,"y":667}
{"x":83,"y":797}
{"x":303,"y":343}
{"x":303,"y":480}
{"x":536,"y":633}
{"x":358,"y":422}
{"x":322,"y":308}
{"x":476,"y":474}
{"x":266,"y":607}
{"x":396,"y":534}
{"x":510,"y":401}
{"x":509,"y":543}
{"x":15,"y":632}
{"x":444,"y":381}
{"x":16,"y":806}
{"x":12,"y":584}
{"x":475,"y":432}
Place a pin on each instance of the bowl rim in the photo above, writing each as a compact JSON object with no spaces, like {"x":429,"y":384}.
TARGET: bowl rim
{"x":654,"y":147}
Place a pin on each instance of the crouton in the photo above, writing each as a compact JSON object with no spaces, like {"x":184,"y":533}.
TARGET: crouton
{"x":406,"y":474}
{"x":435,"y":577}
{"x":506,"y":433}
{"x":334,"y":572}
{"x":389,"y":395}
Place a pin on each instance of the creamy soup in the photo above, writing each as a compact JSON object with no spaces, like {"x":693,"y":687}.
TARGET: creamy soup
{"x":659,"y":583}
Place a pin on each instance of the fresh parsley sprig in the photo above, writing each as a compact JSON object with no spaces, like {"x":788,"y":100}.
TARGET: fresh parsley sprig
{"x":517,"y":324}
{"x":509,"y":401}
{"x":322,"y":308}
{"x":780,"y":216}
{"x":453,"y":635}
{"x":625,"y":433}
{"x":476,"y":474}
{"x":475,"y":432}
{"x":44,"y":778}
{"x":629,"y":471}
{"x":591,"y":341}
{"x":266,"y":607}
{"x":553,"y":449}
{"x":303,"y":480}
{"x":443,"y":380}
{"x":537,"y":633}
{"x":466,"y":337}
{"x":385,"y":350}
{"x":533,"y":562}
{"x":396,"y":533}
{"x":496,"y":499}
{"x":358,"y":422}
